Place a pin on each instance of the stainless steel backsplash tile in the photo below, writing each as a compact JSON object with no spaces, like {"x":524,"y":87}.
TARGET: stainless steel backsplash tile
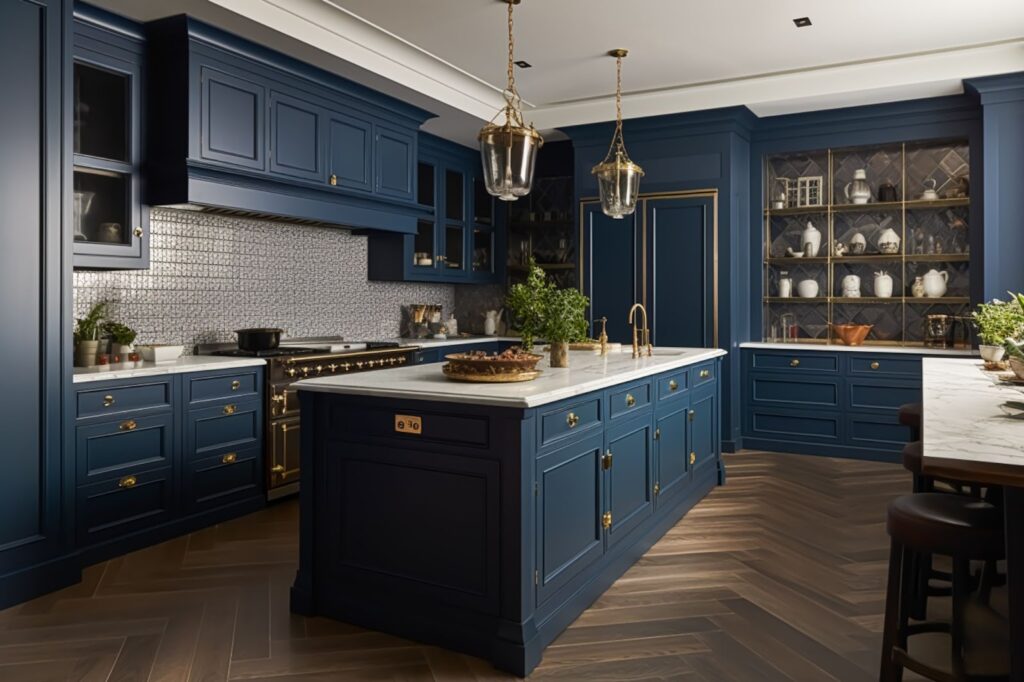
{"x":211,"y":274}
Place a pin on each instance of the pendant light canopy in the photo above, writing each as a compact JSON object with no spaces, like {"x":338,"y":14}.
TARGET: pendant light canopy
{"x":618,"y":178}
{"x":509,"y":150}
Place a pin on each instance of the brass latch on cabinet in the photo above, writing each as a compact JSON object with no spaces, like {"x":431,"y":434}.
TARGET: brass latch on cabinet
{"x":693,"y":457}
{"x":692,"y":415}
{"x":333,"y":180}
{"x":606,"y":520}
{"x":127,"y":482}
{"x":657,"y":488}
{"x":606,"y":461}
{"x":657,"y":434}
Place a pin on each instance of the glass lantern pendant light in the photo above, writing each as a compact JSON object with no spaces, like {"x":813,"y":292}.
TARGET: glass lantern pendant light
{"x":509,"y":150}
{"x":618,"y":178}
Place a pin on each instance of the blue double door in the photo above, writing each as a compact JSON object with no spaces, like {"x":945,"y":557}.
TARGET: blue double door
{"x":662,"y":256}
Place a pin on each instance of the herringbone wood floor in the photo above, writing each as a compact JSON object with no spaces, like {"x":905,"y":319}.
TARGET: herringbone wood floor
{"x":780,"y":575}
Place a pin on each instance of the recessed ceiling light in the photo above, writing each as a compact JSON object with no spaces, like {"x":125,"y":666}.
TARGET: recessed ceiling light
{"x":522,"y":64}
{"x":801,"y":22}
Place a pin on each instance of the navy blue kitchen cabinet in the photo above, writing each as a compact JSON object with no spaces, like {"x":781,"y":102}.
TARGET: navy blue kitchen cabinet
{"x":552,"y":503}
{"x":611,"y":268}
{"x":837,"y":403}
{"x":458,"y":239}
{"x":34,"y":290}
{"x":235,"y":125}
{"x":111,"y":223}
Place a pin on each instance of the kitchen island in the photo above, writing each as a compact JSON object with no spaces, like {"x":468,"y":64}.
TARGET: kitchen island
{"x":487,"y":517}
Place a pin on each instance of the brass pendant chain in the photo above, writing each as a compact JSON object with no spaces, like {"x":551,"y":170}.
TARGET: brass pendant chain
{"x":619,"y":143}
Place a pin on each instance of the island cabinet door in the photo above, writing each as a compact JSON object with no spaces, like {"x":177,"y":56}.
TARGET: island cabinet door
{"x":671,"y":454}
{"x":569,"y":508}
{"x":628,"y":467}
{"x":411,"y":526}
{"x":703,"y":427}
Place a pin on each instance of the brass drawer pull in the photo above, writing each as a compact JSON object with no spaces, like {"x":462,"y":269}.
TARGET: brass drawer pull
{"x":235,"y":385}
{"x":875,"y":365}
{"x":108,"y":400}
{"x":606,"y":520}
{"x":334,"y":180}
{"x":693,"y":457}
{"x":129,"y":425}
{"x":794,"y":363}
{"x":229,"y":458}
{"x":630,"y":400}
{"x":705,"y":373}
{"x":127,"y":482}
{"x":572,"y":420}
{"x":229,"y":409}
{"x":277,"y":469}
{"x":672,"y":385}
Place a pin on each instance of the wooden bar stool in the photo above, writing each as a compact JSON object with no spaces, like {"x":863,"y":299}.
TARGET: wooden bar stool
{"x":910,"y":416}
{"x":964,"y":529}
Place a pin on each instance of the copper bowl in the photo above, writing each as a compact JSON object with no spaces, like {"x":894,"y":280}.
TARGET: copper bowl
{"x":470,"y":363}
{"x":851,"y":334}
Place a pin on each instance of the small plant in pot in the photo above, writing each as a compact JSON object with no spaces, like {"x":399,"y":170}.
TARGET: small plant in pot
{"x":526,"y":301}
{"x":996,"y":322}
{"x":121,"y":338}
{"x":87,"y":335}
{"x":565,"y":321}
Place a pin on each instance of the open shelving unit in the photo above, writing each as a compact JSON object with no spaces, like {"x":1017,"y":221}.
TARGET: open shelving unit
{"x":933,"y":235}
{"x":541,"y":225}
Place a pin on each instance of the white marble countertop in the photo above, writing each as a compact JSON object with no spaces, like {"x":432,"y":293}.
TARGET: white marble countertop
{"x":587,"y":372}
{"x":454,"y":341}
{"x":187,"y":363}
{"x":963,"y":417}
{"x":918,"y":350}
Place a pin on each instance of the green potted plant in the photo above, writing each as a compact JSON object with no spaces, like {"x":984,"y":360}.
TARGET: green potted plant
{"x":565,"y":322}
{"x":526,"y":301}
{"x":121,"y":339}
{"x":1015,"y":350}
{"x":87,"y":335}
{"x":996,"y":321}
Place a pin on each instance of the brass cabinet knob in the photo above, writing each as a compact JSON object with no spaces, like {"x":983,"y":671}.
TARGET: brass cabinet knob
{"x":235,"y":385}
{"x":705,"y":373}
{"x":108,"y":400}
{"x":672,"y":385}
{"x":630,"y":400}
{"x":137,"y":231}
{"x":794,"y":363}
{"x":693,"y":457}
{"x":333,"y":180}
{"x":657,"y":434}
{"x":127,"y":482}
{"x":129,"y":425}
{"x":875,"y":365}
{"x":606,"y":520}
{"x":572,"y":420}
{"x":229,"y":409}
{"x":229,"y":458}
{"x":277,"y":469}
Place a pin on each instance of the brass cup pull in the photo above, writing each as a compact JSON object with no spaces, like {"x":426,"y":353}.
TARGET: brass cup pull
{"x":229,"y":458}
{"x":630,"y":400}
{"x":235,"y":385}
{"x":572,"y":420}
{"x":137,"y":231}
{"x":129,"y":425}
{"x":875,"y":365}
{"x":693,"y":457}
{"x":794,"y":363}
{"x":333,"y":180}
{"x":108,"y":400}
{"x":606,"y":520}
{"x":229,"y":409}
{"x":672,"y":385}
{"x":127,"y":482}
{"x":705,"y":373}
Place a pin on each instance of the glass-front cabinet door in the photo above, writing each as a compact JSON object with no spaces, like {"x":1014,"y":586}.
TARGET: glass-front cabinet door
{"x":109,"y":224}
{"x":483,"y":253}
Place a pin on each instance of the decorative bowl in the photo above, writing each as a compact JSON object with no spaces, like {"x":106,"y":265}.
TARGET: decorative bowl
{"x":851,"y":334}
{"x":160,"y":352}
{"x":511,"y":361}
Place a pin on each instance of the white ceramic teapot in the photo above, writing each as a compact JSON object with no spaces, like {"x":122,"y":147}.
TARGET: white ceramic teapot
{"x":935,"y":283}
{"x":851,"y":286}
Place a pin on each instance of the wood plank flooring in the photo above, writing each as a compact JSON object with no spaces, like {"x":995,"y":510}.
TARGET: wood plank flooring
{"x":779,"y":575}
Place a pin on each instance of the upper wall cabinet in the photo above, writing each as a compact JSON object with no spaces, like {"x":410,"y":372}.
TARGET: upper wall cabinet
{"x":241,"y":127}
{"x":111,"y":227}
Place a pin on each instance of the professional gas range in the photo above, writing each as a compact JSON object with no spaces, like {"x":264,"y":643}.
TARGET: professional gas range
{"x":292,"y":361}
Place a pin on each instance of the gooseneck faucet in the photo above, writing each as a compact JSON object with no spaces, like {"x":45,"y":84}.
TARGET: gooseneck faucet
{"x":646,"y":331}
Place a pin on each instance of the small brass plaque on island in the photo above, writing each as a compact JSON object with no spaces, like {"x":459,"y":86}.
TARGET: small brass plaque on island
{"x":407,"y":423}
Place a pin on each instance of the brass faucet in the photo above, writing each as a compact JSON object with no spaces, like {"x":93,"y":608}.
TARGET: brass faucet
{"x":646,"y":331}
{"x":603,"y":338}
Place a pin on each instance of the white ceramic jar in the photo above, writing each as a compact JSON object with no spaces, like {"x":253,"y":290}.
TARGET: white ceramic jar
{"x":883,"y":284}
{"x":807,"y":288}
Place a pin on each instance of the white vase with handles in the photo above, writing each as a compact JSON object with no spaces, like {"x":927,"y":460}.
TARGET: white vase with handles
{"x":883,"y":284}
{"x":935,"y":283}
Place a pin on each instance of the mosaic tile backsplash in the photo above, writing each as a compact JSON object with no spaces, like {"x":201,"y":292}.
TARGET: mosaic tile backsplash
{"x":212,"y":274}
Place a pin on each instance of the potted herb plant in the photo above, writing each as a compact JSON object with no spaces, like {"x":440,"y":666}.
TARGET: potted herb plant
{"x":526,"y":301}
{"x":121,"y":336}
{"x":996,"y":321}
{"x":87,"y":335}
{"x":565,"y":321}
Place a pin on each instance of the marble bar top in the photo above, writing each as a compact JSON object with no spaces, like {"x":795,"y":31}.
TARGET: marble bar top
{"x":915,"y":350}
{"x":188,"y":363}
{"x":964,"y":417}
{"x":587,"y":371}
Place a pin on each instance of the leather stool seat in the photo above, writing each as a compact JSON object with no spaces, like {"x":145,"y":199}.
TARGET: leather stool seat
{"x":952,"y":525}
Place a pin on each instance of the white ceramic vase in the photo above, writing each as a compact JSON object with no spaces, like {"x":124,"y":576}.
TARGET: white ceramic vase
{"x":807,"y":288}
{"x":810,"y":240}
{"x":991,"y":353}
{"x":883,"y":285}
{"x":851,"y":286}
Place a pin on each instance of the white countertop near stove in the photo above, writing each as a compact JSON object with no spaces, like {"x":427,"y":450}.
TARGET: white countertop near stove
{"x":963,"y":416}
{"x":953,"y":352}
{"x":587,"y":372}
{"x":455,"y":341}
{"x":187,"y":363}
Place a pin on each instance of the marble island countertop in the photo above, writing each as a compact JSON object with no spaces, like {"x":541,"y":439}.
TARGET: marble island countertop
{"x":965,"y":417}
{"x":187,"y":363}
{"x":587,"y":372}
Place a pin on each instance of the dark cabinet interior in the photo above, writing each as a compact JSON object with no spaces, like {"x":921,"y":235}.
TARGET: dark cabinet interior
{"x":102,"y":107}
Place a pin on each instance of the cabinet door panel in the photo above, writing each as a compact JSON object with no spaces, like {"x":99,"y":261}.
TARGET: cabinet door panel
{"x":233,"y":129}
{"x":396,"y":160}
{"x":295,"y":128}
{"x":112,"y":509}
{"x":703,"y":427}
{"x":569,"y":508}
{"x":611,"y":267}
{"x":111,"y":449}
{"x":349,"y":152}
{"x":673,"y":454}
{"x":630,"y":479}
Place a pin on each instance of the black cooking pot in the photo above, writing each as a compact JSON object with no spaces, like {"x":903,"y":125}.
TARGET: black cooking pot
{"x":264,"y":338}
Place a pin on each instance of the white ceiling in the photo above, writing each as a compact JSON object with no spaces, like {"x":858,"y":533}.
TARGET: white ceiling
{"x":449,"y":55}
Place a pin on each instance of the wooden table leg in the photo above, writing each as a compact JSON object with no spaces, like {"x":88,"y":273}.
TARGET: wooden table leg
{"x":1014,"y":510}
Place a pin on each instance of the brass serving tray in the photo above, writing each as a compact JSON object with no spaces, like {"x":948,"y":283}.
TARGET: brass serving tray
{"x":490,"y":378}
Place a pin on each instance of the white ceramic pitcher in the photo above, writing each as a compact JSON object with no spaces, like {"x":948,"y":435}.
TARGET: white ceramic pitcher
{"x":935,"y":283}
